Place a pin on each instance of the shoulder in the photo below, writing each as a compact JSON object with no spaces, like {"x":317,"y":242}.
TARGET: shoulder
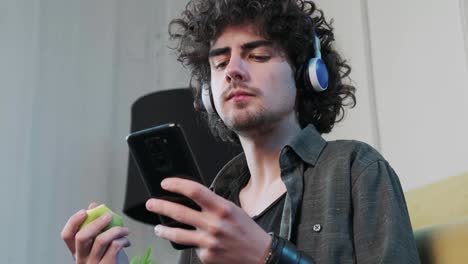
{"x":368,"y":168}
{"x":354,"y":150}
{"x":355,"y":155}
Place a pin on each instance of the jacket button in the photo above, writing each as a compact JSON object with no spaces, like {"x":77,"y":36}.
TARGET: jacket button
{"x":317,"y":227}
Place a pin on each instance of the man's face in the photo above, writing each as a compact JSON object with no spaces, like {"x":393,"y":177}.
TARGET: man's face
{"x":251,"y":80}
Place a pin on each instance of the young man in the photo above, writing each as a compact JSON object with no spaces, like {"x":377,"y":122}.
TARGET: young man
{"x":324,"y":202}
{"x":290,"y":197}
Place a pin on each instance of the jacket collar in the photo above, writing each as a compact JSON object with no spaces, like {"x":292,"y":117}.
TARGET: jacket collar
{"x":308,"y":145}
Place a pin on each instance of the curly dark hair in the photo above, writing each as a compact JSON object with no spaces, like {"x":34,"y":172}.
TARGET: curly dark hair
{"x":290,"y":23}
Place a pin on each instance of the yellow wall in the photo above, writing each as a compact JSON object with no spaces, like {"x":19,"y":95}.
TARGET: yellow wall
{"x":439,"y":203}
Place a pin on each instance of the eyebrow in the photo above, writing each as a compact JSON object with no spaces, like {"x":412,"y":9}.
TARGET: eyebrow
{"x":244,"y":47}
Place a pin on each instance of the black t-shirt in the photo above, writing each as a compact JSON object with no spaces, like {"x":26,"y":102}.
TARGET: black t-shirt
{"x":270,"y":218}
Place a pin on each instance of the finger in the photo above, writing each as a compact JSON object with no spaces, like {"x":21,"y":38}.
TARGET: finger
{"x":115,"y":253}
{"x":183,"y":236}
{"x":71,"y":228}
{"x":194,"y":190}
{"x":177,"y":212}
{"x":92,"y":205}
{"x":85,"y":237}
{"x":103,"y":240}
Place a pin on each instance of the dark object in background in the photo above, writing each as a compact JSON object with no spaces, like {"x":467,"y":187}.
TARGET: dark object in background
{"x":172,"y":106}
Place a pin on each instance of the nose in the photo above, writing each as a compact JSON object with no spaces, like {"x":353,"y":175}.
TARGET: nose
{"x":236,"y":70}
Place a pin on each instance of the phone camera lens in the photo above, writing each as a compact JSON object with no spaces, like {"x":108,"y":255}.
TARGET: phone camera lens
{"x":158,"y":150}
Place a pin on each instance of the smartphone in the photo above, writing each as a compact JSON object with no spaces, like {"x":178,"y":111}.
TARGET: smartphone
{"x":161,"y":152}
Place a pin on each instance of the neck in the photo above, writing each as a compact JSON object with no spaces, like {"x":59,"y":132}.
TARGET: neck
{"x":262,"y":149}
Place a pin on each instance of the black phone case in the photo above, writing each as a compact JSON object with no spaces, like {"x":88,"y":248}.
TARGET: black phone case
{"x":161,"y":152}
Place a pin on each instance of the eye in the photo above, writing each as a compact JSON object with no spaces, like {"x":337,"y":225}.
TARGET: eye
{"x":260,"y":58}
{"x":221,"y":65}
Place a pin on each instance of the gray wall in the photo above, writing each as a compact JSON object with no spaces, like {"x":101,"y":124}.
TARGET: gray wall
{"x":71,"y":69}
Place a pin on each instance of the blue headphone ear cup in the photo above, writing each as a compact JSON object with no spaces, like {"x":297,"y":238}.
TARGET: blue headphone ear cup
{"x":317,"y":74}
{"x":207,"y":99}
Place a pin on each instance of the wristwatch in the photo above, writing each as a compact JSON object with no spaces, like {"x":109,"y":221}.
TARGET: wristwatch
{"x":284,"y":252}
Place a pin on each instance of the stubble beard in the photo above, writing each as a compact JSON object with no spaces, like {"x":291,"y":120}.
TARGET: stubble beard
{"x":250,"y":121}
{"x":259,"y":121}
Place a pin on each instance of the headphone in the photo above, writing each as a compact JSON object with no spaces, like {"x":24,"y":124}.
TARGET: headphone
{"x":315,"y":75}
{"x":316,"y":72}
{"x":207,"y":99}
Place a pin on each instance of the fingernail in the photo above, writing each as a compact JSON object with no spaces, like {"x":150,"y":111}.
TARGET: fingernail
{"x":149,"y":205}
{"x":165,"y":183}
{"x":106,"y":217}
{"x":157,"y":230}
{"x":81,"y":212}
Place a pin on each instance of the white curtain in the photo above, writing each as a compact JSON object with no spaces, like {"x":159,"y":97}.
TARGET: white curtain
{"x":70,"y":71}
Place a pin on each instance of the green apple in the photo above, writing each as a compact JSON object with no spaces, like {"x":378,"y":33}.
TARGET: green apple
{"x":93,"y":214}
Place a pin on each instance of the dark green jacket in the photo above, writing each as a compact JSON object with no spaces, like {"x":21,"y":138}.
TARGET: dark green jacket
{"x":344,"y":202}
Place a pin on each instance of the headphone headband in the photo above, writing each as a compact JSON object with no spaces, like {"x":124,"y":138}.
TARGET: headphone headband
{"x":316,"y":73}
{"x":318,"y":53}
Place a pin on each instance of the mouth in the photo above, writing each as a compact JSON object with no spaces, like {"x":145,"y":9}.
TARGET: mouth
{"x":238,"y":95}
